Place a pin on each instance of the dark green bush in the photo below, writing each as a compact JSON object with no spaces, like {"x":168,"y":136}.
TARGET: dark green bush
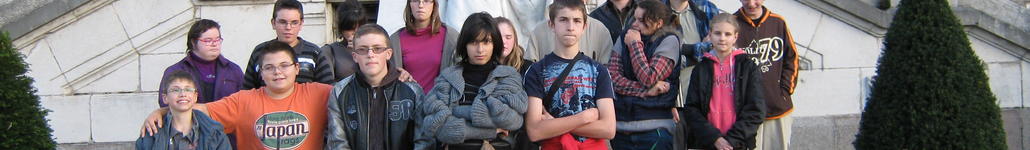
{"x":931,"y":91}
{"x":22,"y":122}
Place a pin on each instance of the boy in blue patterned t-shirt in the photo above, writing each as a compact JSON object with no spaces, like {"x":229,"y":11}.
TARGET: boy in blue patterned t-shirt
{"x":580,"y":113}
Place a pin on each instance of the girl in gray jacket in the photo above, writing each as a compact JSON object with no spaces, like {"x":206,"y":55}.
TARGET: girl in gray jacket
{"x":475,"y":103}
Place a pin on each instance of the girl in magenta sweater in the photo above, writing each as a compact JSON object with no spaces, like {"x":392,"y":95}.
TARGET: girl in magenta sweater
{"x":425,"y":45}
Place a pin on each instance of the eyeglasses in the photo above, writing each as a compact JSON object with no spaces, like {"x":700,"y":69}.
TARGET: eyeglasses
{"x":274,"y":68}
{"x":284,"y":23}
{"x":211,"y":40}
{"x":366,"y":50}
{"x":180,"y":91}
{"x":420,"y":2}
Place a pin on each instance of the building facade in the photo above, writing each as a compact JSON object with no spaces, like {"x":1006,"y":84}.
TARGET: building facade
{"x":97,"y":63}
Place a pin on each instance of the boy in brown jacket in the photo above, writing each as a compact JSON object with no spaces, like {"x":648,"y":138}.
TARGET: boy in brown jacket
{"x":765,"y":36}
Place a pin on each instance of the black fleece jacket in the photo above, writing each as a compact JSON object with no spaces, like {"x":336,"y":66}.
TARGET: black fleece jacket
{"x":749,"y":105}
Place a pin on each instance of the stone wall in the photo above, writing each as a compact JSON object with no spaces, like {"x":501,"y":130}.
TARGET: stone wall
{"x":97,"y":67}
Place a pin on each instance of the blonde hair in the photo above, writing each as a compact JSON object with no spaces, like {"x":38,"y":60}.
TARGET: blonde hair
{"x":725,"y":18}
{"x":514,"y":59}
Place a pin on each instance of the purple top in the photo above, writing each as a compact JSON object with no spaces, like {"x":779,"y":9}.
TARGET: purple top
{"x":228,"y":77}
{"x":206,"y":68}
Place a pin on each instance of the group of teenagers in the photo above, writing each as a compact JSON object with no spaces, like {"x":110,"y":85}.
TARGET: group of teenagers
{"x":630,"y":75}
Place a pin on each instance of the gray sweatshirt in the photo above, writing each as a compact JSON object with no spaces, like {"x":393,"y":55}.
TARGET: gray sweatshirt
{"x":500,"y":104}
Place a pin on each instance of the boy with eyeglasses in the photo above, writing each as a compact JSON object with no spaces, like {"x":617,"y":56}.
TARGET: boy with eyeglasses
{"x":287,"y":21}
{"x":372,"y":109}
{"x":184,"y":127}
{"x":283,"y":114}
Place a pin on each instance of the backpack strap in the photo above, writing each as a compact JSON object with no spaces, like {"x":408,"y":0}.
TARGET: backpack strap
{"x":561,"y":79}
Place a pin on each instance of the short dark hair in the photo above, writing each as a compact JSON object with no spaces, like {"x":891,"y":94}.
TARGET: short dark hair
{"x":349,"y":16}
{"x":275,"y":47}
{"x":198,"y":28}
{"x":561,"y":4}
{"x":287,"y":4}
{"x":371,"y":29}
{"x":178,"y":75}
{"x":477,"y":25}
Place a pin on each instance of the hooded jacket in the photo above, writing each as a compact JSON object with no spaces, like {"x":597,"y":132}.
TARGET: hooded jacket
{"x":769,"y":40}
{"x":209,"y":134}
{"x":500,"y":103}
{"x":348,"y":124}
{"x":748,"y":104}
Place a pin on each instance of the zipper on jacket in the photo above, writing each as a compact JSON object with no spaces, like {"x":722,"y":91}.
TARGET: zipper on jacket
{"x":740,"y":88}
{"x":368,"y":106}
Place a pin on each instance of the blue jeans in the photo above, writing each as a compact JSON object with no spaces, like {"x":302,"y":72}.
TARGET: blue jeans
{"x":658,"y":139}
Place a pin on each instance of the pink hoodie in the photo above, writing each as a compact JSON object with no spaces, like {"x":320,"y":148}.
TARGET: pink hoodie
{"x":723,"y":114}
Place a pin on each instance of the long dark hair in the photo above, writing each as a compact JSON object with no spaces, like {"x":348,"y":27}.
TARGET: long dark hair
{"x":479,"y":25}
